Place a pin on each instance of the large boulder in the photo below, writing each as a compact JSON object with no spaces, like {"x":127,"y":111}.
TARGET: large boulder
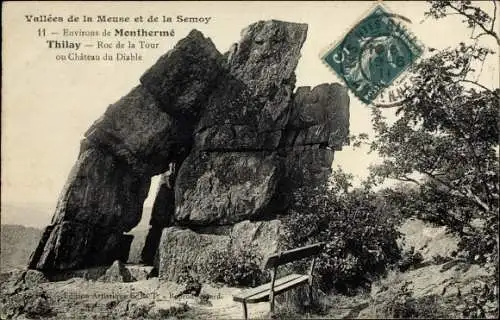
{"x":182,"y":78}
{"x":102,"y":199}
{"x":262,"y":238}
{"x":173,"y":255}
{"x":250,"y":106}
{"x":102,"y":191}
{"x":307,"y":165}
{"x":318,"y":125}
{"x":224,"y":188}
{"x":137,"y":131}
{"x":73,"y":245}
{"x":136,"y":138}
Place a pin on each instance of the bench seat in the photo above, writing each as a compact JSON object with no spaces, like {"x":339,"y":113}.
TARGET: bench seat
{"x":261,"y":293}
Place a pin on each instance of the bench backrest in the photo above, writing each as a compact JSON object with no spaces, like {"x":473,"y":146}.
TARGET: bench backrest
{"x":293,"y":255}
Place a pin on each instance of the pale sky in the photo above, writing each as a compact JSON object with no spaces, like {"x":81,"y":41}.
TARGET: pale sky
{"x":47,"y":105}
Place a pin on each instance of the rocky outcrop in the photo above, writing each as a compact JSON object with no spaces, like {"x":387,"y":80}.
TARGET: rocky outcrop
{"x":229,"y":177}
{"x":431,"y":242}
{"x":318,"y":125}
{"x":250,"y":107}
{"x":231,"y":139}
{"x":307,"y":165}
{"x":136,"y":138}
{"x":182,"y":79}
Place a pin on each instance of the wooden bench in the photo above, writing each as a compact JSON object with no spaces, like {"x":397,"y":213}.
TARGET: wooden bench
{"x":268,"y":291}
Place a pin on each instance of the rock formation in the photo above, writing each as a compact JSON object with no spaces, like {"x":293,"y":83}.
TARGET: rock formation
{"x":136,"y":138}
{"x":231,"y":139}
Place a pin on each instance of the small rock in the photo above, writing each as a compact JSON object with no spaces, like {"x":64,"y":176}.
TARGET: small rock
{"x":34,"y":277}
{"x":117,"y":273}
{"x":139,"y":272}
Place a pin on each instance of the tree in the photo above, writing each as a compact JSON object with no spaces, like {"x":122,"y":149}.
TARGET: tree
{"x":445,"y":138}
{"x":475,"y":17}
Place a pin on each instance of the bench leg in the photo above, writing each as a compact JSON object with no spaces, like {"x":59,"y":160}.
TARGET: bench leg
{"x":245,"y":311}
{"x":310,"y":295}
{"x":271,"y":303}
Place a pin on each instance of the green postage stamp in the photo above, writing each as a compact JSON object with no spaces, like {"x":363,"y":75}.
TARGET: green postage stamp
{"x":373,"y":54}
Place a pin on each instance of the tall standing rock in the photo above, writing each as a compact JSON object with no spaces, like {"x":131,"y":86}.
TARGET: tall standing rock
{"x":230,"y":176}
{"x":254,"y":144}
{"x":318,"y":125}
{"x":250,"y":106}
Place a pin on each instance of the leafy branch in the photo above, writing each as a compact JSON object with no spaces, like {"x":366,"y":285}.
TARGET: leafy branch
{"x":475,"y":16}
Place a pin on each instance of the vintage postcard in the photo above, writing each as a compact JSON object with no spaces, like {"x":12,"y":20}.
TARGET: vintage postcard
{"x":249,"y":159}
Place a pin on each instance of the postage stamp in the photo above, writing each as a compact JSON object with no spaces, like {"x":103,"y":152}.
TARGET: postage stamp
{"x":373,"y":54}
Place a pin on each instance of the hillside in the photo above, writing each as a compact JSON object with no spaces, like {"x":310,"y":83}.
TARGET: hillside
{"x":18,"y":242}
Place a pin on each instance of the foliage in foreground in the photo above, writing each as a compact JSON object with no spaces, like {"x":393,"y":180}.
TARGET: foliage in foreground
{"x":241,"y":268}
{"x":444,"y":140}
{"x":358,"y":231}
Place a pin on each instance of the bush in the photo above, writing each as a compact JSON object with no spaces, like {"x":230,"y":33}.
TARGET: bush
{"x":358,"y":230}
{"x":404,"y":306}
{"x":240,"y":268}
{"x":392,"y":298}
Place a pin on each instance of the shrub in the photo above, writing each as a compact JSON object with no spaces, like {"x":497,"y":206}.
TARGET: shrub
{"x":358,"y":230}
{"x":392,"y":298}
{"x":405,"y":306}
{"x":240,"y":268}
